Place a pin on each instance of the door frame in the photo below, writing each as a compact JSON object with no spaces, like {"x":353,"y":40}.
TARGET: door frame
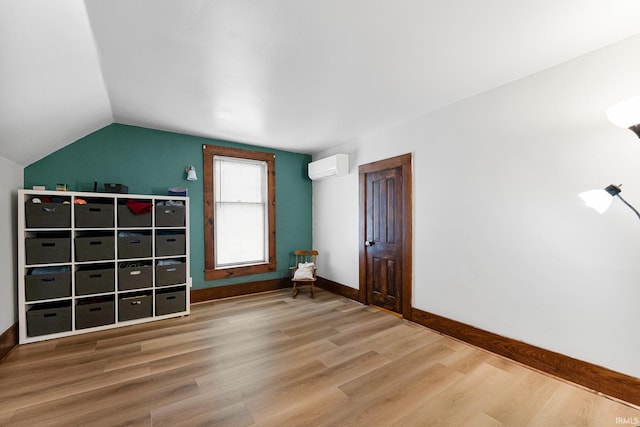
{"x":403,"y":161}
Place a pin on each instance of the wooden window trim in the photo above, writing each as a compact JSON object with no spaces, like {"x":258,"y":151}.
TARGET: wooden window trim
{"x":208,"y":153}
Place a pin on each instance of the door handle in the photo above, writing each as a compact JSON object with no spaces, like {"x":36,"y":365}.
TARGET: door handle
{"x":369,"y":243}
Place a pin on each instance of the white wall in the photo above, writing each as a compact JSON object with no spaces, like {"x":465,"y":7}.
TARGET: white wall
{"x":501,"y":240}
{"x":11,"y":177}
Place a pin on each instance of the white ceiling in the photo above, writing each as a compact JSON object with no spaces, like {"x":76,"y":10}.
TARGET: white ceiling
{"x":300,"y":75}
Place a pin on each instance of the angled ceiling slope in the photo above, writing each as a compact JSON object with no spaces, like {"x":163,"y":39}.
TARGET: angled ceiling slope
{"x":51,"y":85}
{"x":290,"y":74}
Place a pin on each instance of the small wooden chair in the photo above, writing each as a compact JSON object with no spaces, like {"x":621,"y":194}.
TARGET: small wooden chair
{"x":307,"y":274}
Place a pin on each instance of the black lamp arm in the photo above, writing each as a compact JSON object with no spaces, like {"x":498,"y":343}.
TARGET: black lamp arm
{"x":627,"y":203}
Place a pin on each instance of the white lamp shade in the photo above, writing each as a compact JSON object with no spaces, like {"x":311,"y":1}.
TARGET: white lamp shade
{"x":191,"y":173}
{"x":600,"y":200}
{"x":625,"y":113}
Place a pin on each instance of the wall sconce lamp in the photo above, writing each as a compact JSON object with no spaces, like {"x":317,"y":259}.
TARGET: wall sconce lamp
{"x":600,"y":200}
{"x":191,"y":173}
{"x":626,"y":114}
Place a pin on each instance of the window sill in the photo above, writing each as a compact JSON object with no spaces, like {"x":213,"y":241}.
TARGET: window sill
{"x":225,"y":273}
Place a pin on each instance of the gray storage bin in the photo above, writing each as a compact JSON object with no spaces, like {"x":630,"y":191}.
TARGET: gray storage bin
{"x":135,"y":277}
{"x":126,"y":218}
{"x":170,"y":216}
{"x":173,"y":274}
{"x":43,"y":319}
{"x":42,"y":250}
{"x":170,"y":301}
{"x":134,"y":247}
{"x":47,"y":215}
{"x":95,"y":248}
{"x":94,"y":215}
{"x":47,"y":286}
{"x":95,"y":312}
{"x":135,"y":306}
{"x":170,"y":244}
{"x":95,"y":281}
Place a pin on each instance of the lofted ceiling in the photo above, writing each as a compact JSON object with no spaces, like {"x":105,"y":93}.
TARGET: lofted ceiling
{"x":300,"y":75}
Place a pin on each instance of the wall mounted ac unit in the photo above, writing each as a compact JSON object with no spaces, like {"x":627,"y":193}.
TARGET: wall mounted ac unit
{"x":329,"y":167}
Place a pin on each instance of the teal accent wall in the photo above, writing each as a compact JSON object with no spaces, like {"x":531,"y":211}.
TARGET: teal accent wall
{"x":150,"y":161}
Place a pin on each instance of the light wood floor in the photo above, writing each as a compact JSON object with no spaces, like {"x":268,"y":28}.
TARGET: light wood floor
{"x":270,"y":360}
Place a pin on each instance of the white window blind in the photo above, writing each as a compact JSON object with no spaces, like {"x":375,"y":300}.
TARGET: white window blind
{"x":241,"y":212}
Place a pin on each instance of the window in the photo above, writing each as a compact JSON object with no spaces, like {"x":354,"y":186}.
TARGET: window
{"x":239,"y":212}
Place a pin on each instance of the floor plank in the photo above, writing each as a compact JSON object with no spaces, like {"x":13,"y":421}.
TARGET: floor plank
{"x":270,"y":360}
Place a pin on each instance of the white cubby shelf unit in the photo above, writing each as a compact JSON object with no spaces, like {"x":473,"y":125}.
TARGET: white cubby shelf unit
{"x":95,"y":261}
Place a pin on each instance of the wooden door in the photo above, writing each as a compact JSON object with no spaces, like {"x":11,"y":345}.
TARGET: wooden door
{"x":385,"y":270}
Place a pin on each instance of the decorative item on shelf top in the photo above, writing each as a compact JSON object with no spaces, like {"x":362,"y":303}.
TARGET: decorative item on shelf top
{"x":177,"y":191}
{"x":115,"y":188}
